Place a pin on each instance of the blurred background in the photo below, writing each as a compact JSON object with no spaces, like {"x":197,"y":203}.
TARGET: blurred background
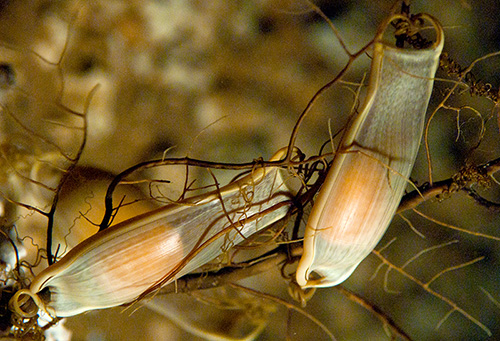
{"x":226,"y":81}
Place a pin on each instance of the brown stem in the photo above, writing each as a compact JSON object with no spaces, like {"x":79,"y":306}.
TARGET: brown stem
{"x":457,"y":182}
{"x":227,"y":275}
{"x":386,"y":320}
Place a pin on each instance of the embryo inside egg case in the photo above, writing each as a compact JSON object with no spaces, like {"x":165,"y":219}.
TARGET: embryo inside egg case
{"x":211,"y":90}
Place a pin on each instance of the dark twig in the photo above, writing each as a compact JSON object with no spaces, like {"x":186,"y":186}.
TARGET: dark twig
{"x":386,"y":320}
{"x":494,"y":206}
{"x":466,"y":177}
{"x":228,"y":274}
{"x":66,"y":175}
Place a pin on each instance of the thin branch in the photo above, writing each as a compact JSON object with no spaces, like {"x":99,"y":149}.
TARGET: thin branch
{"x":233,"y":273}
{"x":458,"y":182}
{"x":490,"y":297}
{"x":382,"y":316}
{"x":66,"y":175}
{"x":426,"y":287}
{"x":456,"y":228}
{"x":452,"y":268}
{"x":494,"y":206}
{"x":108,"y":201}
{"x":286,"y":304}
